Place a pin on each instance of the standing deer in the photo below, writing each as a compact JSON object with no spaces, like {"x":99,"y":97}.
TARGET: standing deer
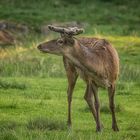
{"x":95,"y":60}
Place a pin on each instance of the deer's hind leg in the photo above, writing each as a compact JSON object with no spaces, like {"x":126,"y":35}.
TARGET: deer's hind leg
{"x":97,"y":106}
{"x":111,"y":93}
{"x":89,"y":97}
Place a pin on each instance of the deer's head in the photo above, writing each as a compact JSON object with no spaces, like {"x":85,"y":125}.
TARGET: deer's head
{"x":64,"y":43}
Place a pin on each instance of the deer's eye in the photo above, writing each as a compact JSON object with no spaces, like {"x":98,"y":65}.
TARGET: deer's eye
{"x":60,"y":41}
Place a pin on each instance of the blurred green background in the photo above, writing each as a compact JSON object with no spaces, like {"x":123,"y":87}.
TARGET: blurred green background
{"x":109,"y":17}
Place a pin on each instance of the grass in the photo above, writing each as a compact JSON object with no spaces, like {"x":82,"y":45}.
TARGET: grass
{"x":45,"y":124}
{"x":35,"y":116}
{"x":33,"y":99}
{"x":13,"y":85}
{"x":104,"y":108}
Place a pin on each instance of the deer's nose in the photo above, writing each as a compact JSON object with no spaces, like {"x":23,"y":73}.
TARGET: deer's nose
{"x":39,"y":46}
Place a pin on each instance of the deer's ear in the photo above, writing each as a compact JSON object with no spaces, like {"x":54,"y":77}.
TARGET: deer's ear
{"x":60,"y":42}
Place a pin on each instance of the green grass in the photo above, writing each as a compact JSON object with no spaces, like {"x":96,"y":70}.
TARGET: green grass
{"x":40,"y":111}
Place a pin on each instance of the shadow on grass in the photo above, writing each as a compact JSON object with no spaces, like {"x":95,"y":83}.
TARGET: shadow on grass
{"x":8,"y":125}
{"x":10,"y":106}
{"x":118,"y":108}
{"x":45,"y":124}
{"x":105,"y":108}
{"x":8,"y":135}
{"x":134,"y":126}
{"x":12,"y":85}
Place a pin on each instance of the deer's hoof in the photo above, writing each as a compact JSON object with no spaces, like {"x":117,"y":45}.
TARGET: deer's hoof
{"x":115,"y":128}
{"x":99,"y":129}
{"x":69,"y":125}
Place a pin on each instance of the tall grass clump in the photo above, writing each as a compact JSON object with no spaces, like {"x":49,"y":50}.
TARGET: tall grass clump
{"x":129,"y":73}
{"x":8,"y":135}
{"x":30,"y":63}
{"x":5,"y":84}
{"x":8,"y":125}
{"x":45,"y":124}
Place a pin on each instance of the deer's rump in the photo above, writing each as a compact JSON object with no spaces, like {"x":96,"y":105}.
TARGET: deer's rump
{"x":103,"y":65}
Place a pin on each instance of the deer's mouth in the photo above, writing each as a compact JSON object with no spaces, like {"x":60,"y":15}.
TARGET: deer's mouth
{"x":42,"y":49}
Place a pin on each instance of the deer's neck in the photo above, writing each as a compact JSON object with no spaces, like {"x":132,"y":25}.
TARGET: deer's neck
{"x":79,"y":56}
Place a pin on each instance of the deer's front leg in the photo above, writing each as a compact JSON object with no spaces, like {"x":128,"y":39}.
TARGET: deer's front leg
{"x":72,"y":77}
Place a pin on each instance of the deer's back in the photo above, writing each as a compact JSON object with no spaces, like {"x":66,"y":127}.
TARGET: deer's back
{"x":101,"y":58}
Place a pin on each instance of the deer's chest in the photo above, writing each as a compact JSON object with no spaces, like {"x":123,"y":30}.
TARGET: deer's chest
{"x":86,"y":74}
{"x":83,"y":75}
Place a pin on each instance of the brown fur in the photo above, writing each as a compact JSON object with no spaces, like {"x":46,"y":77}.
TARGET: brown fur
{"x":104,"y":57}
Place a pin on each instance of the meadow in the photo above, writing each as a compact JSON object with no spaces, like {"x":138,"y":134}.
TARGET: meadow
{"x":33,"y":99}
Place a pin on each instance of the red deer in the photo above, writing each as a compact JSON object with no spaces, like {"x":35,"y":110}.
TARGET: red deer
{"x":95,"y":60}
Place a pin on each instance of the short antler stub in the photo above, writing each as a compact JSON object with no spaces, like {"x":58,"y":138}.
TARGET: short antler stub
{"x":69,"y":31}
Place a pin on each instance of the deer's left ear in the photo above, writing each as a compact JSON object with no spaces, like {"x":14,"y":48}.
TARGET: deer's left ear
{"x":60,"y":42}
{"x":70,"y":41}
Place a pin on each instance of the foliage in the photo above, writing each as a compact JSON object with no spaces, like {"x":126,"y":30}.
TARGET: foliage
{"x":43,"y":124}
{"x":109,"y":18}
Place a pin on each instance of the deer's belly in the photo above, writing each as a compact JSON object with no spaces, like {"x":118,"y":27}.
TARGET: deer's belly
{"x":88,"y":76}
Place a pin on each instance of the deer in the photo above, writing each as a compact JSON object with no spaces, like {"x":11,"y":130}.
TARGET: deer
{"x":94,"y":60}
